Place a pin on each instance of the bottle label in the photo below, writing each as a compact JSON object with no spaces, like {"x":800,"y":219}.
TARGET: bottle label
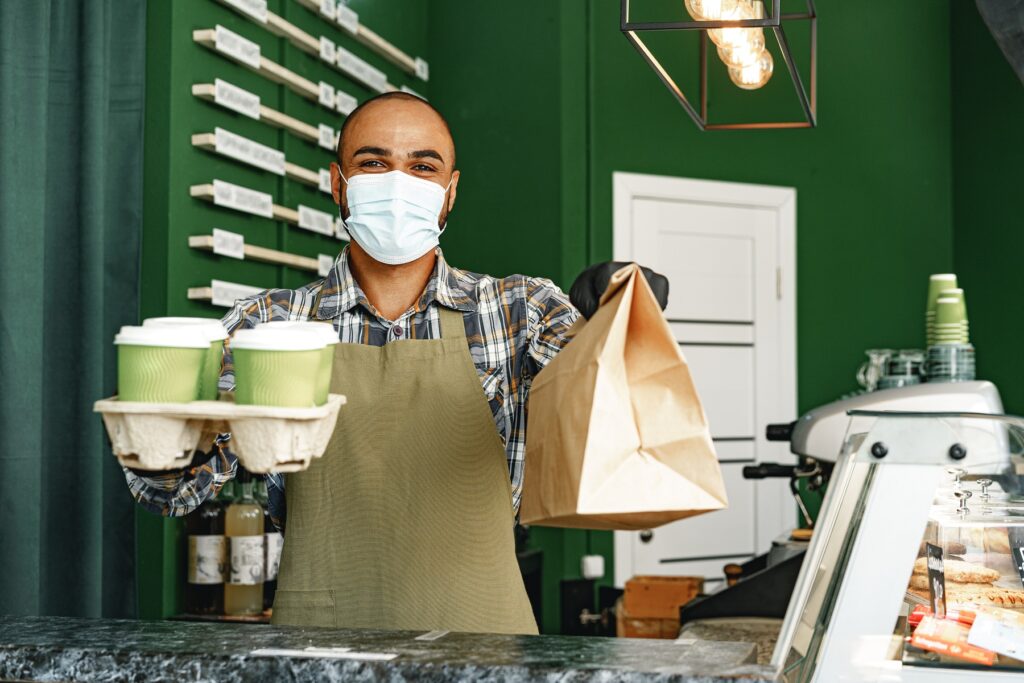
{"x":207,"y":559}
{"x":246,"y":560}
{"x":274,"y":542}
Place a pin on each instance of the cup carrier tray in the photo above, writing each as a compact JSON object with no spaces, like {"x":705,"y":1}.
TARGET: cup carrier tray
{"x":163,"y":436}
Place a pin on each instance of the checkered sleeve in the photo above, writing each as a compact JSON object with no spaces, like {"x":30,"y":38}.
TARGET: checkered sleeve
{"x":175,"y":494}
{"x":550,"y":318}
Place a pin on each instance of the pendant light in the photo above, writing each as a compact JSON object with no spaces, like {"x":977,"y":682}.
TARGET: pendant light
{"x":736,"y":31}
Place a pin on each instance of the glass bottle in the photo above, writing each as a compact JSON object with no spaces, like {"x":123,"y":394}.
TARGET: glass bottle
{"x":243,"y":527}
{"x":207,"y":558}
{"x":273,"y":542}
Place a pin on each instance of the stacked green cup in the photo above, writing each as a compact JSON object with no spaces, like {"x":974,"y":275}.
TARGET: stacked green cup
{"x":936,"y":284}
{"x":277,"y":367}
{"x":951,"y":325}
{"x":159,"y":365}
{"x":327,"y":332}
{"x":215,"y":333}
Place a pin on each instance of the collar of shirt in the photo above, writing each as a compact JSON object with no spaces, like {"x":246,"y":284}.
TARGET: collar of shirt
{"x":448,"y":286}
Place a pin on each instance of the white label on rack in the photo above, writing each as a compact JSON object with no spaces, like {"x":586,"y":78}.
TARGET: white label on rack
{"x":229,"y":244}
{"x":242,"y":199}
{"x":324,"y":180}
{"x":234,"y":98}
{"x":360,"y":69}
{"x":257,"y":9}
{"x":326,"y":49}
{"x":344,"y":102}
{"x":248,"y":151}
{"x":207,"y":559}
{"x":409,"y":90}
{"x":327,"y":9}
{"x":246,"y":560}
{"x":273,"y":542}
{"x":237,"y":47}
{"x":347,"y":18}
{"x":326,"y":137}
{"x":422,"y":69}
{"x":377,"y":79}
{"x":339,"y":230}
{"x":326,"y":96}
{"x":317,"y":221}
{"x":324,"y":263}
{"x":227,"y":293}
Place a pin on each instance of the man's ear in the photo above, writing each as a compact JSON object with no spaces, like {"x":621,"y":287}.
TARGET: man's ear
{"x":452,"y":190}
{"x":336,"y":183}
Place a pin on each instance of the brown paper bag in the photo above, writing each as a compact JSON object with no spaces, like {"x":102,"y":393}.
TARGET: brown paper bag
{"x":617,"y":437}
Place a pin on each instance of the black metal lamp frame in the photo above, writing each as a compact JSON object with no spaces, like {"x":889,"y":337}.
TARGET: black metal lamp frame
{"x":808,"y":101}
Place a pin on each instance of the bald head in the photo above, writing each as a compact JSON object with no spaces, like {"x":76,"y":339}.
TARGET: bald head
{"x":393,"y":105}
{"x":395,"y":132}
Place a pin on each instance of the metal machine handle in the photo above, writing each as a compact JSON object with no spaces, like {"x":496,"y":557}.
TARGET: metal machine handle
{"x":765,"y":470}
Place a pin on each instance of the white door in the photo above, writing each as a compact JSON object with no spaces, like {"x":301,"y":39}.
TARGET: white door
{"x":728,"y":250}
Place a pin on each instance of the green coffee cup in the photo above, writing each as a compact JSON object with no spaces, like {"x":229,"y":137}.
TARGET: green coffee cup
{"x":937,"y":283}
{"x":947,"y":313}
{"x":326,"y":331}
{"x":216,"y":333}
{"x":958,"y":294}
{"x":277,"y":367}
{"x":159,"y":365}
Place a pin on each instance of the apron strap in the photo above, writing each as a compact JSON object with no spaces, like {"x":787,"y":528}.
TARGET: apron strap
{"x":452,"y":324}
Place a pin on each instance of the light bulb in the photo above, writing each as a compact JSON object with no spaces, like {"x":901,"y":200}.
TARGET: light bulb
{"x":755,"y":74}
{"x":736,"y":37}
{"x":710,"y":10}
{"x":745,"y":53}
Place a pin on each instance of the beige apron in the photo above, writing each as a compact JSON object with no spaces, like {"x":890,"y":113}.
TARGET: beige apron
{"x":406,"y":521}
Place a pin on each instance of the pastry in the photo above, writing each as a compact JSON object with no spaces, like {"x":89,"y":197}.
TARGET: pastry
{"x":978,"y":594}
{"x":958,"y":571}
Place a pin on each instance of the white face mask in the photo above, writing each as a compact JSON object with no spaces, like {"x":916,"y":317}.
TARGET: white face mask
{"x":393,"y":216}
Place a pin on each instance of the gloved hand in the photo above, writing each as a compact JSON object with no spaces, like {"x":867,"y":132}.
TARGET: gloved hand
{"x":586,"y":291}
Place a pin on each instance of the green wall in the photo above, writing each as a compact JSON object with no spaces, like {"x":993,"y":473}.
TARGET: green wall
{"x":547,"y":100}
{"x":988,"y":149}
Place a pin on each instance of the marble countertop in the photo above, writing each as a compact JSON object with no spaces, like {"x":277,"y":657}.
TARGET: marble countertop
{"x":71,"y":649}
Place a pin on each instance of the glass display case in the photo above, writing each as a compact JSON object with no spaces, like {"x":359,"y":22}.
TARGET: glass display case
{"x":916,"y":566}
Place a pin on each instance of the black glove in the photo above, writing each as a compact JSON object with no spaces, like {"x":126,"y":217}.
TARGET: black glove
{"x":586,"y":291}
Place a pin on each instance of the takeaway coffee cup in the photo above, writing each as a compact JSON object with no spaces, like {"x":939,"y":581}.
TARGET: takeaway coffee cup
{"x":276,"y":367}
{"x":159,"y":365}
{"x":330,"y":337}
{"x":216,"y":333}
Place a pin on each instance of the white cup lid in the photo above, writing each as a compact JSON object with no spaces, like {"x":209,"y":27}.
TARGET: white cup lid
{"x":325,"y":330}
{"x":211,"y":326}
{"x":944,"y":276}
{"x":261,"y":338}
{"x":176,"y":337}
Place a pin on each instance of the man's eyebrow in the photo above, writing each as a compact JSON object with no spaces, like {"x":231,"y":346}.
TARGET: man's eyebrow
{"x":426,"y":153}
{"x":376,"y":151}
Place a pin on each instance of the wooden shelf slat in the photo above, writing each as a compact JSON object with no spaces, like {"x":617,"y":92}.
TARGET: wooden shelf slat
{"x":208,"y":142}
{"x":373,"y":41}
{"x":207,"y":91}
{"x":263,"y":254}
{"x":310,"y":44}
{"x":268,"y":69}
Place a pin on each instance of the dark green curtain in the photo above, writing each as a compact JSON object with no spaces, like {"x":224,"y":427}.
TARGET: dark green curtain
{"x":71,"y":123}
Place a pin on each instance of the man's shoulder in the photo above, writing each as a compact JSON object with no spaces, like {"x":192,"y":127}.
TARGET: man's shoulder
{"x":274,"y":304}
{"x":480,"y":286}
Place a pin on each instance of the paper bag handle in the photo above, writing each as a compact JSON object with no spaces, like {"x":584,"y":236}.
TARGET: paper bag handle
{"x":618,"y":280}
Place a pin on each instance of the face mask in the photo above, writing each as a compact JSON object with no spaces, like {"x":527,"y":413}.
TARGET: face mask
{"x":393,"y":216}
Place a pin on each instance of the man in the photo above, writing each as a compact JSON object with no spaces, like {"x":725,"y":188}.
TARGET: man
{"x":407,"y":520}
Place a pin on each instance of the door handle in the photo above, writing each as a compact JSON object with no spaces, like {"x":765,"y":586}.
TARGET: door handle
{"x":646,"y":535}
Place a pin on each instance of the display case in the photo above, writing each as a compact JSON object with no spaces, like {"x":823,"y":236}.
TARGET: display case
{"x":915,"y":569}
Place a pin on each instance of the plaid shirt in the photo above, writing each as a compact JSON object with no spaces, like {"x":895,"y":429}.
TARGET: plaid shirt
{"x":514,"y":327}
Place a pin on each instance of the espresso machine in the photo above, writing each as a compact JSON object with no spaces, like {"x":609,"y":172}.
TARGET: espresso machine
{"x":762,"y":586}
